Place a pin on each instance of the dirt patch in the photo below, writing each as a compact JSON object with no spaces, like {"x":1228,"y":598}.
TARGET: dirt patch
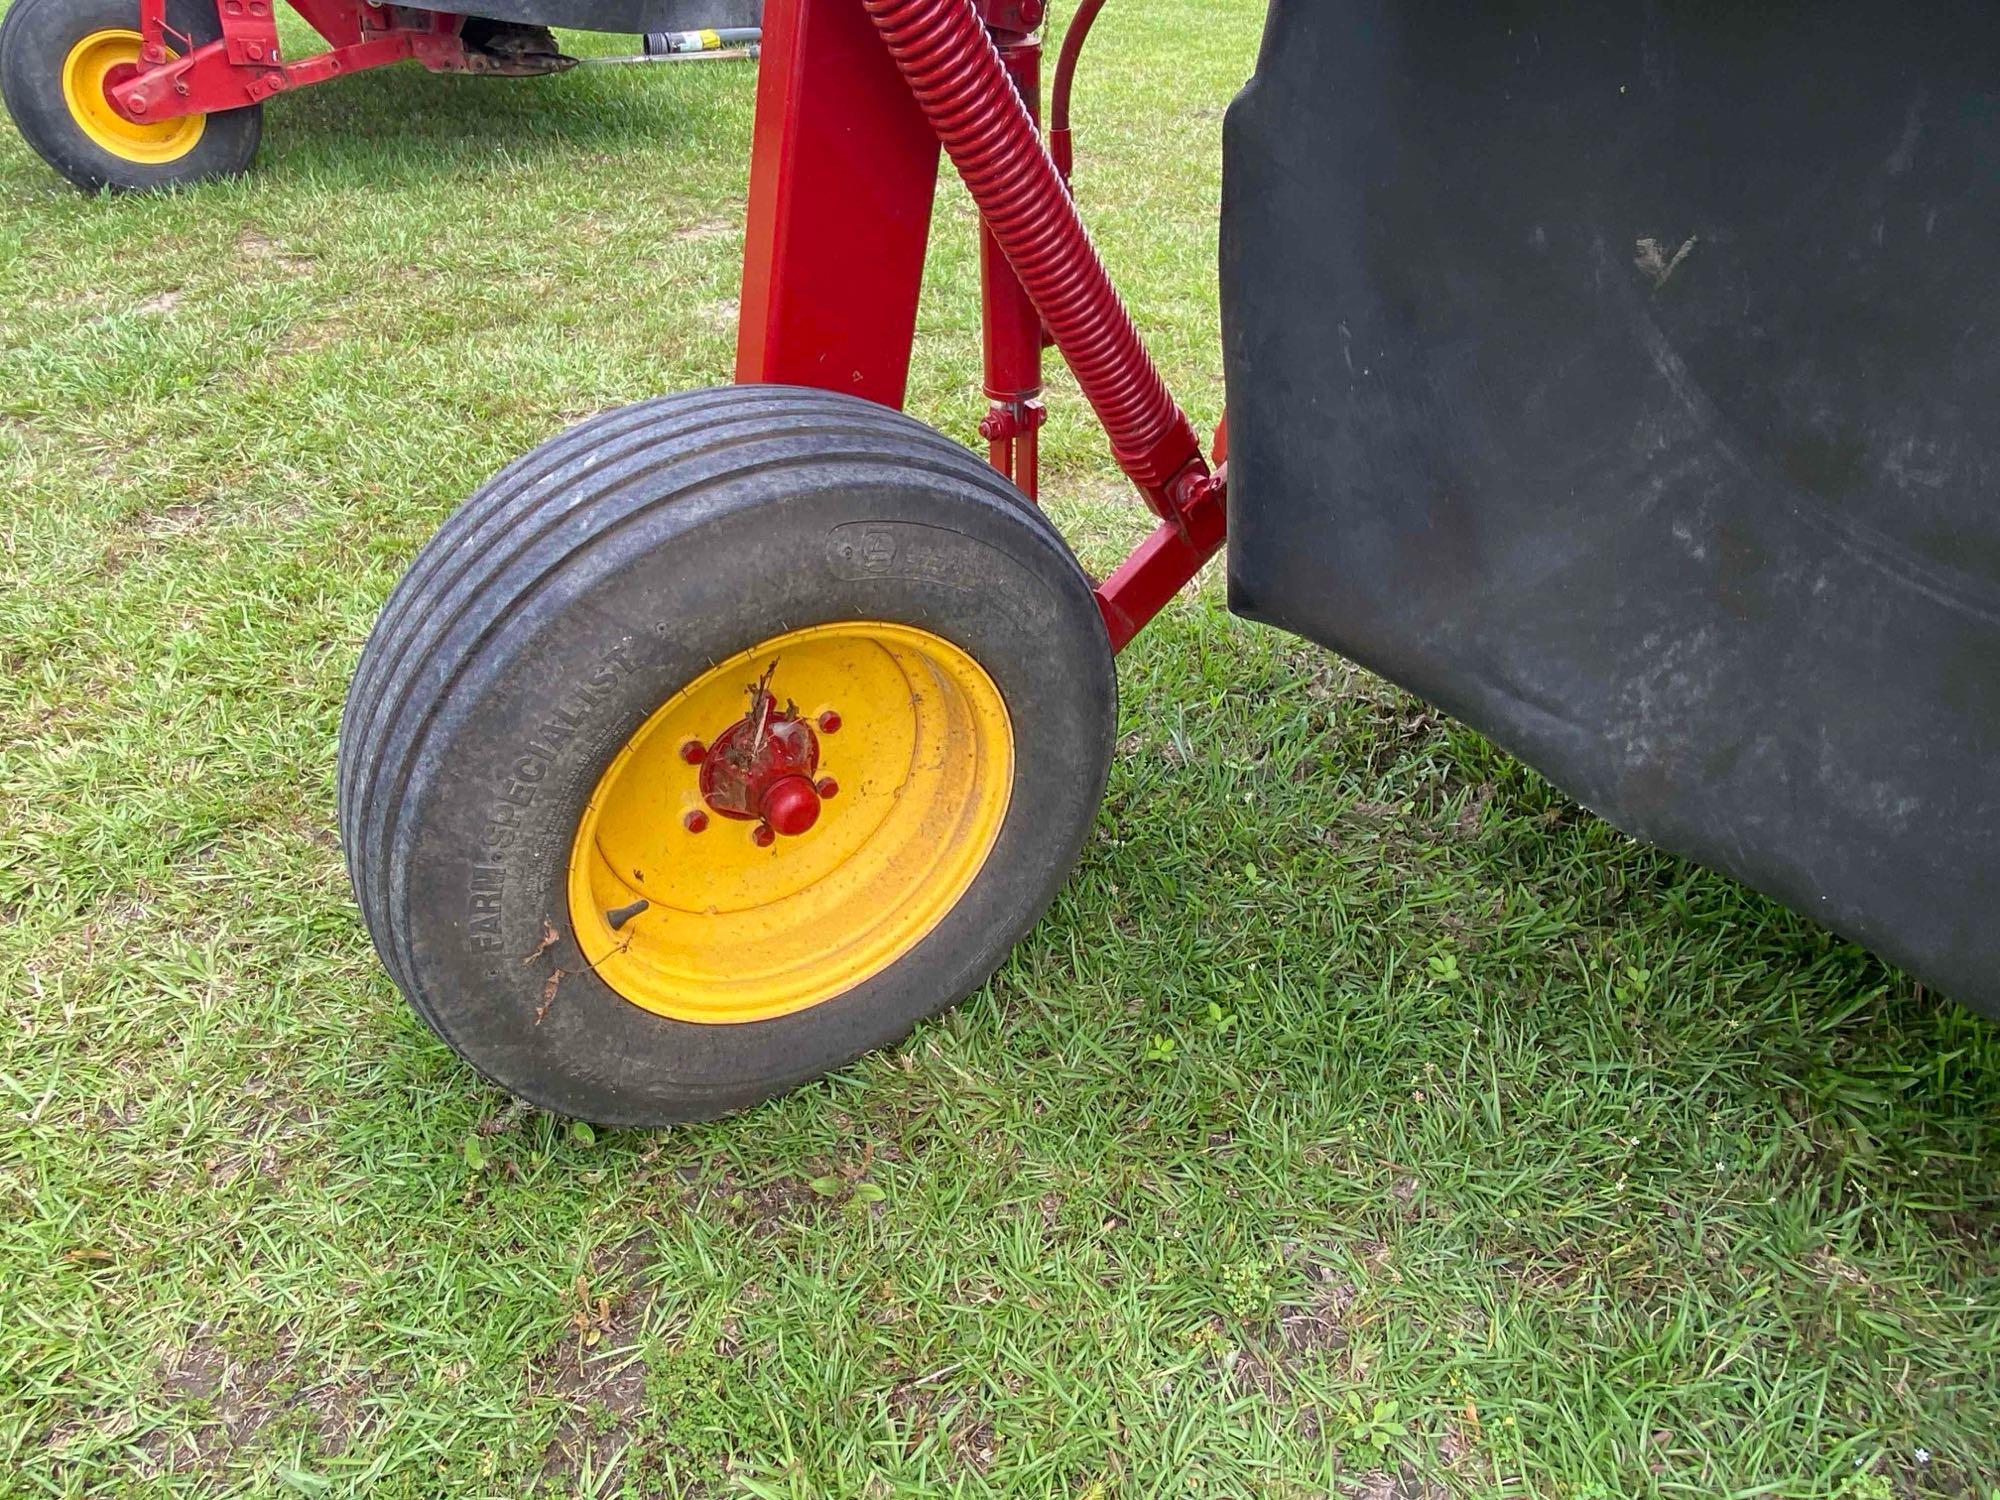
{"x":335,"y":1414}
{"x":975,"y":1445}
{"x":195,"y":1373}
{"x":595,"y":1370}
{"x":1406,"y":1484}
{"x":765,"y":1208}
{"x":1267,"y":1358}
{"x":1316,"y":1326}
{"x":144,"y":532}
{"x":1466,"y":824}
{"x":255,"y":245}
{"x":225,"y":1401}
{"x":605,"y":1395}
{"x":924,"y":1404}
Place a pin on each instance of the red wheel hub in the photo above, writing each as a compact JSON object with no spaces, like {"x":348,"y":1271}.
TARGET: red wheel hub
{"x":760,"y":769}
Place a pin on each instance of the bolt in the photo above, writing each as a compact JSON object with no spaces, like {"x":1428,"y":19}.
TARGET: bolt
{"x":695,"y":821}
{"x":694,"y":752}
{"x":762,"y":836}
{"x":136,"y":104}
{"x":828,"y":787}
{"x":829,"y":722}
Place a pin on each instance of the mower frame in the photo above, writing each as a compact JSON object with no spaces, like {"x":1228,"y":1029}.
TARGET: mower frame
{"x":854,"y":102}
{"x":245,"y":65}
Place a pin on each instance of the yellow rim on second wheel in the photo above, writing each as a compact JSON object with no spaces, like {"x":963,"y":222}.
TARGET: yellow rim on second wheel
{"x":731,"y":931}
{"x":100,"y":60}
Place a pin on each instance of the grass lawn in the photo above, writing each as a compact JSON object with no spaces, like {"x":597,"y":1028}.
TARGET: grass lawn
{"x":1364,"y":1120}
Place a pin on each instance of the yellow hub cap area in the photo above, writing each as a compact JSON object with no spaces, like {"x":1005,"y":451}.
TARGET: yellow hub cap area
{"x":924,"y":763}
{"x":105,"y":58}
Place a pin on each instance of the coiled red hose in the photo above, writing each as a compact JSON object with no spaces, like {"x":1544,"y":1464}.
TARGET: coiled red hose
{"x":956,"y":74}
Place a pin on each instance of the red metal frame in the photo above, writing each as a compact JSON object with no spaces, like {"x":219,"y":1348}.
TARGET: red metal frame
{"x":244,"y":66}
{"x":853,"y":102}
{"x":842,"y":170}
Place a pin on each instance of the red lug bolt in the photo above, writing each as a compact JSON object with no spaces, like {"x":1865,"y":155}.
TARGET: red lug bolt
{"x":827,"y":787}
{"x":695,"y":821}
{"x":762,"y":836}
{"x":829,"y":722}
{"x":694,"y":752}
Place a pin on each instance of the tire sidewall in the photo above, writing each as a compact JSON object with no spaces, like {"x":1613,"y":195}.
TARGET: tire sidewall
{"x":37,"y":36}
{"x":503,"y":773}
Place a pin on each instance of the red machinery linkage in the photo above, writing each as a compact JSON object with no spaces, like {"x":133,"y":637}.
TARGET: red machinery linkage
{"x":243,"y":66}
{"x":842,"y":175}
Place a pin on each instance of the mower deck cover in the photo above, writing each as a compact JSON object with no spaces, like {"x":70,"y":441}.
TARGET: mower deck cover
{"x":1626,"y":381}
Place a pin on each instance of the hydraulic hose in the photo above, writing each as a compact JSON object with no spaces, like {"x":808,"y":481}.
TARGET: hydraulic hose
{"x":955,"y":71}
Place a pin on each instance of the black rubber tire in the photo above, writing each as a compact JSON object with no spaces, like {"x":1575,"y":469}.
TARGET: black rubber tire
{"x":609,"y":568}
{"x":35,"y":38}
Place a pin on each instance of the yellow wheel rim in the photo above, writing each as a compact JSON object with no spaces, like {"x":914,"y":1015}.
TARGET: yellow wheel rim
{"x":107,"y":57}
{"x":924,"y":763}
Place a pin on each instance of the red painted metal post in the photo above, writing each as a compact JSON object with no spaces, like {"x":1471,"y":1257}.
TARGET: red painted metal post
{"x":1011,"y":329}
{"x":843,"y":166}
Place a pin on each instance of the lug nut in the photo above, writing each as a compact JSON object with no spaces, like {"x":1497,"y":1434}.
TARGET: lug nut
{"x":695,"y":821}
{"x":762,"y":836}
{"x":828,"y":787}
{"x":829,"y":722}
{"x":694,"y":752}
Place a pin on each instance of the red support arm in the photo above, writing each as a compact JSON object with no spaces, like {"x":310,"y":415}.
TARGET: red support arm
{"x":843,"y":167}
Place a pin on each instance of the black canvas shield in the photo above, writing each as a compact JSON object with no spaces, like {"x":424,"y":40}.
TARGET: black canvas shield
{"x":1625,"y":379}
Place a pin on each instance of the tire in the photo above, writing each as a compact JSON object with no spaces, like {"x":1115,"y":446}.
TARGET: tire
{"x":53,"y":54}
{"x":510,"y":698}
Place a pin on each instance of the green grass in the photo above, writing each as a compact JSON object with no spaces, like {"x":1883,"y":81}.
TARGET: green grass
{"x":1364,"y":1119}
